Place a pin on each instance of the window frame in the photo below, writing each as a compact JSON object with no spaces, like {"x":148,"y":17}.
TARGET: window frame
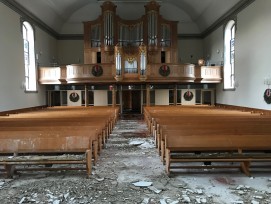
{"x":230,"y":28}
{"x":30,"y":68}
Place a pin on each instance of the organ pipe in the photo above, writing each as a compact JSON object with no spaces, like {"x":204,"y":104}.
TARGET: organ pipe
{"x":152,"y":28}
{"x":108,"y":28}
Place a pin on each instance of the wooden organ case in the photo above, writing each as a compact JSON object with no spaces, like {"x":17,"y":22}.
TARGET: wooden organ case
{"x":116,"y":50}
{"x":133,"y":47}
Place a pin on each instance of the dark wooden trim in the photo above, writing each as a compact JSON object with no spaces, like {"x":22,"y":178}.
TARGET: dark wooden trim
{"x":22,"y":110}
{"x":244,"y":109}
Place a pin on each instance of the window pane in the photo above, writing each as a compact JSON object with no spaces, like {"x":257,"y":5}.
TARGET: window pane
{"x":29,"y":57}
{"x":229,"y":55}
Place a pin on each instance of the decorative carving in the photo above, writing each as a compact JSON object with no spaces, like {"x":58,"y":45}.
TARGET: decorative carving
{"x":164,"y":70}
{"x":74,"y":97}
{"x":130,"y":53}
{"x":188,"y":96}
{"x":97,"y":70}
{"x":267,"y":96}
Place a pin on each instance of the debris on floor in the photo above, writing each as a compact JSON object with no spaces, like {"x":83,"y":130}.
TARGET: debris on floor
{"x":129,"y":171}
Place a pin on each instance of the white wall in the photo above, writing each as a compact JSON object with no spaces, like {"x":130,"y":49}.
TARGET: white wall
{"x":12,"y":62}
{"x":190,"y":50}
{"x":162,"y":97}
{"x":213,"y":47}
{"x":70,"y":51}
{"x":100,"y":98}
{"x":253,"y":53}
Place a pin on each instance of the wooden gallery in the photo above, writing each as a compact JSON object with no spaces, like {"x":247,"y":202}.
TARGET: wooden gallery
{"x":130,"y":63}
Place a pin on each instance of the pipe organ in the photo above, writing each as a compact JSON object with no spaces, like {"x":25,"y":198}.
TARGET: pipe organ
{"x":126,"y":55}
{"x":158,"y":35}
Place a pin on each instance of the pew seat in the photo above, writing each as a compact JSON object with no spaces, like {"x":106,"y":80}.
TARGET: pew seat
{"x":12,"y":148}
{"x":240,"y":149}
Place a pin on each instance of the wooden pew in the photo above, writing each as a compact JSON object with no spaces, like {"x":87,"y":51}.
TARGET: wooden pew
{"x":55,"y":124}
{"x":210,"y":130}
{"x":231,"y":148}
{"x":45,"y":145}
{"x":54,"y":132}
{"x":101,"y":132}
{"x":170,"y":125}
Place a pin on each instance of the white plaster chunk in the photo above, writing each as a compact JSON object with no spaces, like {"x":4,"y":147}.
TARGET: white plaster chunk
{"x":255,"y":202}
{"x":186,"y":199}
{"x":56,"y":202}
{"x":239,"y":187}
{"x":22,"y":200}
{"x":145,"y":201}
{"x":258,"y":197}
{"x":238,"y":202}
{"x":142,"y":184}
{"x":241,"y":192}
{"x":157,"y":191}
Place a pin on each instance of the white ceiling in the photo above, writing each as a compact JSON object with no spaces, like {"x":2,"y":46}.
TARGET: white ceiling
{"x":66,"y":16}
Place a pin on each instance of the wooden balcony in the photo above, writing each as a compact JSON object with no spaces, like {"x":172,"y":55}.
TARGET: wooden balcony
{"x":83,"y":73}
{"x":177,"y":73}
{"x":208,"y":74}
{"x":52,"y":75}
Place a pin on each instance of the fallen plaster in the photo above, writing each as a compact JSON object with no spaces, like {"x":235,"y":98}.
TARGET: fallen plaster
{"x":125,"y":162}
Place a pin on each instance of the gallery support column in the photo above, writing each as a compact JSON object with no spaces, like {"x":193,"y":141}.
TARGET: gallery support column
{"x":86,"y":96}
{"x":114,"y":96}
{"x":175,"y":95}
{"x":148,"y":95}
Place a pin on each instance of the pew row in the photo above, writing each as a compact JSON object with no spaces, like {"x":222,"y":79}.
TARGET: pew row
{"x":45,"y":145}
{"x":220,"y":135}
{"x":55,"y":124}
{"x":240,"y":149}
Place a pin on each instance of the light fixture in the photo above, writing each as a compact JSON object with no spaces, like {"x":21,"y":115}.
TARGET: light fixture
{"x":201,"y":62}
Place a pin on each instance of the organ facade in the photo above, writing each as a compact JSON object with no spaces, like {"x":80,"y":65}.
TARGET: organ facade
{"x":132,"y":58}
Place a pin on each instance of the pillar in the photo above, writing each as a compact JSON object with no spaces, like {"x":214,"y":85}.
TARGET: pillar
{"x":175,"y":95}
{"x":114,"y":101}
{"x":86,"y":96}
{"x":148,"y":95}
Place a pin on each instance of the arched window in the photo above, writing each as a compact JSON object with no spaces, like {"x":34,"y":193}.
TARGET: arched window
{"x":229,"y":55}
{"x":29,"y":57}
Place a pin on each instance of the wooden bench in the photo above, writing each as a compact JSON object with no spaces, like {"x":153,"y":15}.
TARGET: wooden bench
{"x":228,"y":148}
{"x":100,"y":133}
{"x":56,"y":132}
{"x":55,"y":124}
{"x":209,"y":130}
{"x":45,"y":145}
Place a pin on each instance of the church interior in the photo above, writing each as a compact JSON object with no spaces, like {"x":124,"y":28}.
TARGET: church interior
{"x":126,"y":92}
